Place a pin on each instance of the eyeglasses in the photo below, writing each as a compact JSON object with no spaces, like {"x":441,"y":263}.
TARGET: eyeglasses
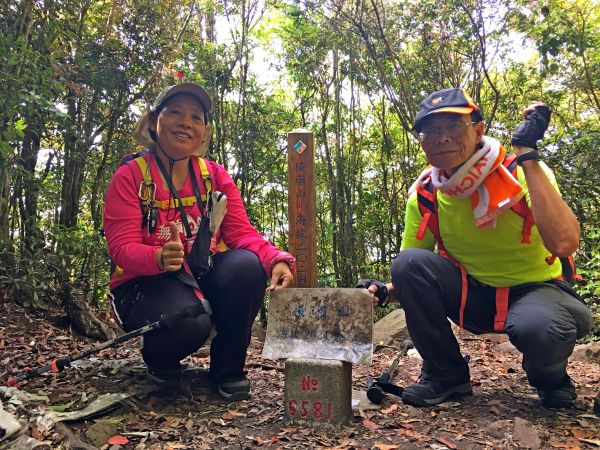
{"x":453,"y":129}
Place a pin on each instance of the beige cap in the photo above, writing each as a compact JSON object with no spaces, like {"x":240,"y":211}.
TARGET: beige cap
{"x":142,"y":130}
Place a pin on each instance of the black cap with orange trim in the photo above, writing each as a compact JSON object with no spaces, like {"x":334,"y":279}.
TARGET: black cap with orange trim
{"x":453,"y":100}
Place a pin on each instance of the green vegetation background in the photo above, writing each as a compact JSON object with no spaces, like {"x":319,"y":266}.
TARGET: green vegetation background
{"x":75,"y":76}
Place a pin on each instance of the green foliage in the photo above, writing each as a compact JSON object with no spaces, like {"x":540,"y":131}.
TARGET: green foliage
{"x":76,"y":76}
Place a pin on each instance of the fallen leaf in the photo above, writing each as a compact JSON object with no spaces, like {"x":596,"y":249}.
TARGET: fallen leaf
{"x":447,"y":443}
{"x":37,"y":431}
{"x":118,"y":440}
{"x":227,"y":416}
{"x":581,"y":434}
{"x":62,"y":408}
{"x":172,"y":422}
{"x":566,"y":445}
{"x":393,"y":407}
{"x":596,"y":442}
{"x":385,"y":447}
{"x":412,"y":420}
{"x":370,"y":424}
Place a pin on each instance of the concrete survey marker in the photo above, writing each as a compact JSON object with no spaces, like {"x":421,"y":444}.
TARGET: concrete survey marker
{"x":318,"y":390}
{"x":320,"y":323}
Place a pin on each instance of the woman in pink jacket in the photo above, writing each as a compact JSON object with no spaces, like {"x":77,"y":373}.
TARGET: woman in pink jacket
{"x":153,"y":214}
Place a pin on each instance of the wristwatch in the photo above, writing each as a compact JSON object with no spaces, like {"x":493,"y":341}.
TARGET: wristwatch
{"x":527,"y":156}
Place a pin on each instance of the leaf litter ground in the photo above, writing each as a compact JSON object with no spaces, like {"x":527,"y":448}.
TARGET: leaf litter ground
{"x":503,"y":413}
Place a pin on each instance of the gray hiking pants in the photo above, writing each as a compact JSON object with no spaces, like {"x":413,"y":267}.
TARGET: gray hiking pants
{"x":543,"y":320}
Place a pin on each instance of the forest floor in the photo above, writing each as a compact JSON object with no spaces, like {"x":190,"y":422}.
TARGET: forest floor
{"x":503,"y":413}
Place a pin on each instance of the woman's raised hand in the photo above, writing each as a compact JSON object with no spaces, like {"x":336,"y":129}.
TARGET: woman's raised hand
{"x":170,"y":256}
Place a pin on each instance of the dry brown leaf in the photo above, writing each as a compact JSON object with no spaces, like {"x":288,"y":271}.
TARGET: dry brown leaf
{"x":566,"y":445}
{"x":228,"y":416}
{"x":406,"y":432}
{"x":582,"y":434}
{"x":447,"y":443}
{"x":172,"y":422}
{"x":370,"y":424}
{"x":595,"y":442}
{"x":392,"y":407}
{"x":37,"y":431}
{"x":385,"y":447}
{"x":118,"y":440}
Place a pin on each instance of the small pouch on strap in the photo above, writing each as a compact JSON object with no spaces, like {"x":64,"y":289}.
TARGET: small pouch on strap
{"x":200,"y":258}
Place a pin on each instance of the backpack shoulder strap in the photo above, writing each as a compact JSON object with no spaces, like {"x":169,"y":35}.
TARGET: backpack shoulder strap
{"x":205,"y":174}
{"x":521,"y":208}
{"x":144,"y":168}
{"x":427,"y":202}
{"x":147,"y":188}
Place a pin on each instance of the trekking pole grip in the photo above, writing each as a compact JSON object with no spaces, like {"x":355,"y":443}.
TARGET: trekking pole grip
{"x":171,"y":320}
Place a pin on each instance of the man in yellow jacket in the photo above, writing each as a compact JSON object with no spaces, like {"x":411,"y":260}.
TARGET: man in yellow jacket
{"x":500,"y":233}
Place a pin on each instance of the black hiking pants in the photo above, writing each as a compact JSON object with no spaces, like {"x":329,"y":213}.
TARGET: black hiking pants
{"x":543,"y":321}
{"x":235,"y":289}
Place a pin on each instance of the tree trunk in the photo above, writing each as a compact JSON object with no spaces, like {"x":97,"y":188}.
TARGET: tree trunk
{"x":79,"y":312}
{"x":29,"y":186}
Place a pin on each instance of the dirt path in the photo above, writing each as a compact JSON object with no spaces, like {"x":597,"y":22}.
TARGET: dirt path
{"x":503,"y":413}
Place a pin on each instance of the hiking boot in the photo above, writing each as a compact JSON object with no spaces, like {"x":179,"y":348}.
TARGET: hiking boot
{"x":562,"y":396}
{"x":165,"y":378}
{"x":429,"y":393}
{"x":234,"y":389}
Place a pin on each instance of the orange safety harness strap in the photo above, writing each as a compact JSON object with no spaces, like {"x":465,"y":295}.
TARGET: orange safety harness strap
{"x":502,"y":294}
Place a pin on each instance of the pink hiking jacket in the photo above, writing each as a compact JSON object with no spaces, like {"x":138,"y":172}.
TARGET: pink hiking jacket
{"x":133,"y":249}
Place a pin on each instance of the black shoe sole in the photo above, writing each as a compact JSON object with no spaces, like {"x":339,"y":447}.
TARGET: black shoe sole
{"x":457,"y":391}
{"x":558,"y":403}
{"x":234,"y":397}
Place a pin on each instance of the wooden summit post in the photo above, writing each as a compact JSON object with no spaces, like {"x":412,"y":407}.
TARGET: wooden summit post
{"x":316,"y":389}
{"x":302,"y":206}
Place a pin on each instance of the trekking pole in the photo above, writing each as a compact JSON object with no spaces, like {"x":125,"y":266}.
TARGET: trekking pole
{"x":169,"y":320}
{"x":376,"y":387}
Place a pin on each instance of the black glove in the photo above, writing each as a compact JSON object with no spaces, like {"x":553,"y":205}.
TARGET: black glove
{"x":382,"y":292}
{"x":533,"y":127}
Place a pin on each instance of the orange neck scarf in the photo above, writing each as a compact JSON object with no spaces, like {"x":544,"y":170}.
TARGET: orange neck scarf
{"x":483,"y":178}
